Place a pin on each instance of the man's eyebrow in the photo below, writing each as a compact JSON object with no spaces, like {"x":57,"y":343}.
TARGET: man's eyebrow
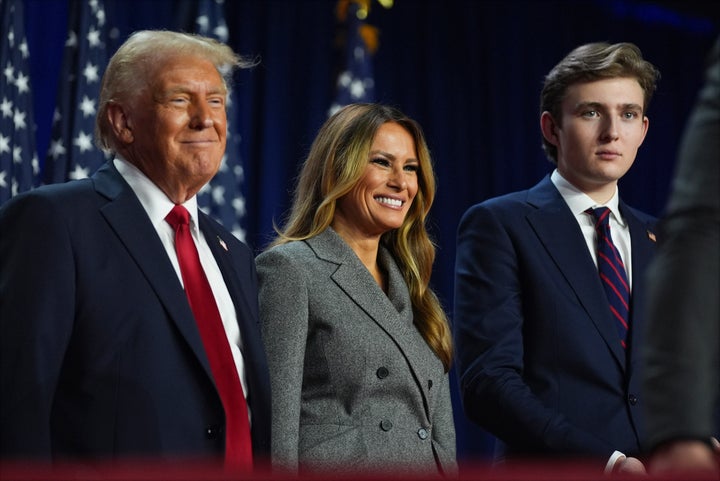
{"x":602,"y":106}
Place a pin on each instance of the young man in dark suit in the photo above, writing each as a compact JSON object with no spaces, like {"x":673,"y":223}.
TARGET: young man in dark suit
{"x":547,"y":360}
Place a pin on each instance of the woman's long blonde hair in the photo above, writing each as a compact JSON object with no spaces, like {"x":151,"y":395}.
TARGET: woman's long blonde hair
{"x":335,"y":163}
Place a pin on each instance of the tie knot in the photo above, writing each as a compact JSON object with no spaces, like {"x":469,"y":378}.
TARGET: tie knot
{"x":601,"y":216}
{"x":178,"y":216}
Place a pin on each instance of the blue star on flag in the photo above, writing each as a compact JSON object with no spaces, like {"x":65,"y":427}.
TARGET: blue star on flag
{"x":72,"y":153}
{"x":355,"y":83}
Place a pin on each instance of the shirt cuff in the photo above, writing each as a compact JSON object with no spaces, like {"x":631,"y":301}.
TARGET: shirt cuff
{"x":611,"y":462}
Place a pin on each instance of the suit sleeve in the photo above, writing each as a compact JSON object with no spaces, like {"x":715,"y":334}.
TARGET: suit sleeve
{"x":683,"y":313}
{"x":284,"y":315}
{"x":444,"y":430}
{"x":37,"y":306}
{"x":489,"y":325}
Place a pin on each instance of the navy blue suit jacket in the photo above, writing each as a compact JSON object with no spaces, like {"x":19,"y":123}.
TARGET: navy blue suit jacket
{"x":538,"y":355}
{"x":100,"y":354}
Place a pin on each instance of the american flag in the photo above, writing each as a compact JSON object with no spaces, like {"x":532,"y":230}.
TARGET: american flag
{"x":19,"y":164}
{"x":72,"y":153}
{"x":222,"y":198}
{"x":355,"y":82}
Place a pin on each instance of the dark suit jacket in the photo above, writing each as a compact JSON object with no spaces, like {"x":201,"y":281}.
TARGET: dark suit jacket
{"x":539,"y":359}
{"x":683,"y":331}
{"x":101,"y":357}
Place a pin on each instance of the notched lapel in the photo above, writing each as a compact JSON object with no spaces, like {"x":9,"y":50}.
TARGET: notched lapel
{"x":130,"y":222}
{"x":358,"y":284}
{"x":558,"y":232}
{"x":643,"y":248}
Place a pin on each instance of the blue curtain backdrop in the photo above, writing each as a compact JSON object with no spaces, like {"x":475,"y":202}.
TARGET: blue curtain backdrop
{"x":469,"y":71}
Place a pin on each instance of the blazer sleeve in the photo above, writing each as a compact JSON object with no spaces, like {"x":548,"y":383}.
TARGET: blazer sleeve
{"x":37,"y":311}
{"x":444,"y":430}
{"x":283,"y":298}
{"x":683,"y":314}
{"x":489,"y":324}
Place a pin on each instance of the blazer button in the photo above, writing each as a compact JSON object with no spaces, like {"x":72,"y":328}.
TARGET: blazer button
{"x":213,"y":432}
{"x":632,"y":399}
{"x":386,"y":425}
{"x":382,"y":372}
{"x":423,"y":433}
{"x":429,"y":383}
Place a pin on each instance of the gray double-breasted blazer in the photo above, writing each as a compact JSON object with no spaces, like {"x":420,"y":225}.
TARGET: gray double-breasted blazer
{"x":354,"y":385}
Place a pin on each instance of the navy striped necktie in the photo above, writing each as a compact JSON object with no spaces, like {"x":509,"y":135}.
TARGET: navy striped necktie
{"x":612,"y":272}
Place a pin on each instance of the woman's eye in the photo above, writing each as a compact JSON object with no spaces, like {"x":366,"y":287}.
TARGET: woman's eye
{"x":380,"y":161}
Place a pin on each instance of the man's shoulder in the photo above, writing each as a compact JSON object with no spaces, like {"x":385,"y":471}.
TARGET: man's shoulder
{"x":515,"y":201}
{"x":66,"y":195}
{"x":638,"y":214}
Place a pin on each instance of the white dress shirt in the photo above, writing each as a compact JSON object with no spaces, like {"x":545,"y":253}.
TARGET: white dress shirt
{"x":579,"y":202}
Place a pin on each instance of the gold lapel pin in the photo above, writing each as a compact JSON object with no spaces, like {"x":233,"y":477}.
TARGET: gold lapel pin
{"x":224,"y":245}
{"x":651,"y":236}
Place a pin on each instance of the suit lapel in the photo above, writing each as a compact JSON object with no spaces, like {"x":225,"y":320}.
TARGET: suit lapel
{"x":223,"y":257}
{"x":643,"y":247}
{"x":561,"y":236}
{"x":130,"y":222}
{"x":394,"y":317}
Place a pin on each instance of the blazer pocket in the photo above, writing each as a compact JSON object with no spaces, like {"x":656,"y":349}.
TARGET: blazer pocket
{"x":331,"y":447}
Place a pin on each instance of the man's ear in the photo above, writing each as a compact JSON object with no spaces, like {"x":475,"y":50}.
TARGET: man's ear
{"x":549,"y":128}
{"x":120,"y":123}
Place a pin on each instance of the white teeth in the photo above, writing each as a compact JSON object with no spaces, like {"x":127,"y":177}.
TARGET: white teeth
{"x":388,"y":201}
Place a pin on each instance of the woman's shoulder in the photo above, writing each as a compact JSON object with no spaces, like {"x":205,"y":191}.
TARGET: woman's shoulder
{"x":288,"y":250}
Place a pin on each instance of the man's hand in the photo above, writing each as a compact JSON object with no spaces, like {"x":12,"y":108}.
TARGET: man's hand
{"x":684,"y":456}
{"x":628,"y":465}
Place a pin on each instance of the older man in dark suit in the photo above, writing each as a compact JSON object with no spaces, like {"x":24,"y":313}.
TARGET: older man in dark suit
{"x":111,"y":347}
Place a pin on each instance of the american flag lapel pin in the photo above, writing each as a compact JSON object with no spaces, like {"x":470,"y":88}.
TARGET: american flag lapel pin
{"x":224,"y":245}
{"x":651,"y":236}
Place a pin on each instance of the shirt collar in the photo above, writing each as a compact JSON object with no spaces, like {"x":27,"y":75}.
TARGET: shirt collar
{"x":155,"y":202}
{"x":579,"y":202}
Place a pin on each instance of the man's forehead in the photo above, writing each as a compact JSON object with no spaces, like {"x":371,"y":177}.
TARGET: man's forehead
{"x":614,"y":92}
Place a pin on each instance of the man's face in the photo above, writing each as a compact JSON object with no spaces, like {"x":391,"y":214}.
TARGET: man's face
{"x":598,"y":135}
{"x":179,"y":125}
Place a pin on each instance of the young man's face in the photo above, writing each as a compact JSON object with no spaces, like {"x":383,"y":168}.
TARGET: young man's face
{"x":600,"y":130}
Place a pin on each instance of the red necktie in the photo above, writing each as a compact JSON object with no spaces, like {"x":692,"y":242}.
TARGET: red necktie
{"x":612,"y":272}
{"x":238,"y":445}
